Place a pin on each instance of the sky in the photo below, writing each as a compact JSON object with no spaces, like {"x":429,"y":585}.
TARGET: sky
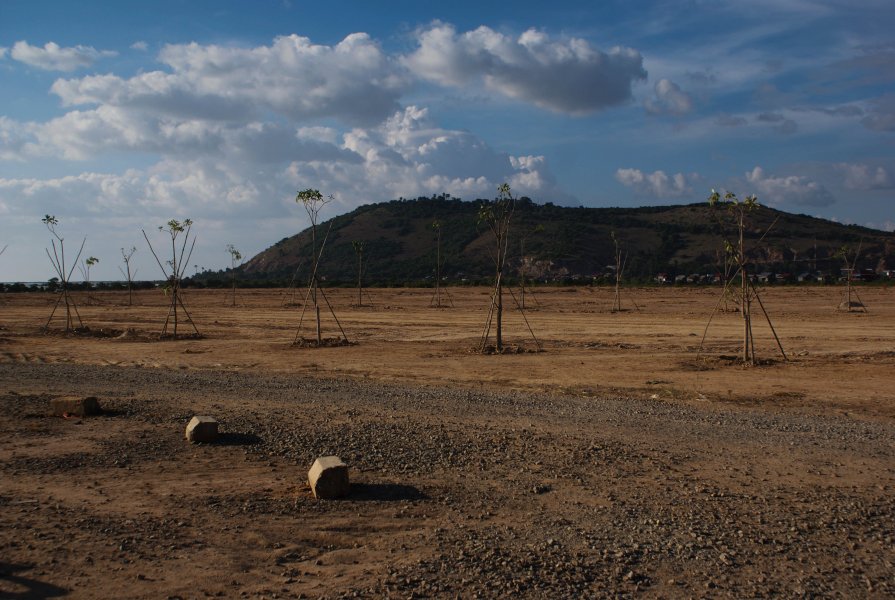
{"x":116,"y":117}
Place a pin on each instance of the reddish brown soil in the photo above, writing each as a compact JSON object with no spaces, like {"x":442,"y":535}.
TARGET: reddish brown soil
{"x":620,"y":459}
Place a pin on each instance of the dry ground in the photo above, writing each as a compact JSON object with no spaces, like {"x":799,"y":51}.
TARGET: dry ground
{"x":617,"y":461}
{"x":838,"y":361}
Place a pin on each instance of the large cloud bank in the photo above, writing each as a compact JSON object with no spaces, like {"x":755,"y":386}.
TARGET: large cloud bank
{"x":244,"y":126}
{"x":352,"y":80}
{"x":254,"y":169}
{"x":237,"y":130}
{"x":568,"y":76}
{"x":226,"y":135}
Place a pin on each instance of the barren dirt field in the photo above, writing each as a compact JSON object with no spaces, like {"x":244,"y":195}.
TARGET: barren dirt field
{"x":617,"y":461}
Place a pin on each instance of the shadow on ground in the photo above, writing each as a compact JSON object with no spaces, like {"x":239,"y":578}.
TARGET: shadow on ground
{"x":385,"y":492}
{"x":15,"y":587}
{"x":237,"y":439}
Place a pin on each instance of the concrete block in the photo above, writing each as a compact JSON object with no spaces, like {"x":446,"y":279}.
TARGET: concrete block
{"x":202,"y":429}
{"x":74,"y":405}
{"x":328,"y":477}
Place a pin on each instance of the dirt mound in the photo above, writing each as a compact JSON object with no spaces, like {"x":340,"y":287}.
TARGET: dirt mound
{"x":854,"y":304}
{"x":129,"y":334}
{"x":324,"y":343}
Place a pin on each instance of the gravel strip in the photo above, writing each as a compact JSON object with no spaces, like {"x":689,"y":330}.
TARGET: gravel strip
{"x":511,"y":494}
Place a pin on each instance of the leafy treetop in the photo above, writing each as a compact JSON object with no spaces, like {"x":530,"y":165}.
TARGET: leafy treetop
{"x":733,"y":203}
{"x":51,"y":221}
{"x":497,"y":214}
{"x":175,"y":227}
{"x":737,"y":209}
{"x":309,"y":196}
{"x":234,"y":253}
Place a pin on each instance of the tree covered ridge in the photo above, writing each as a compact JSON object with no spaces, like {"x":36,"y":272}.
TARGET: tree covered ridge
{"x":560,"y":243}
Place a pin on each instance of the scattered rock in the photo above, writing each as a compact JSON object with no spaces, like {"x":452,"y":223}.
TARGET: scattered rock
{"x":74,"y":406}
{"x":328,"y":477}
{"x":692,"y":505}
{"x":202,"y":429}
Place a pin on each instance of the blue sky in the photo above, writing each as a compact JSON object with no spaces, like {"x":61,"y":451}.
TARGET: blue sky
{"x":119,"y":116}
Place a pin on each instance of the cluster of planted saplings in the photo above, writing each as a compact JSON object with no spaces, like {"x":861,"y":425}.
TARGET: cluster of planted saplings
{"x":732,"y":215}
{"x":173,"y":271}
{"x":495,"y":215}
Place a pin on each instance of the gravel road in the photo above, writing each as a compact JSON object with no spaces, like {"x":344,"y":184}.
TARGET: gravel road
{"x":456,"y":492}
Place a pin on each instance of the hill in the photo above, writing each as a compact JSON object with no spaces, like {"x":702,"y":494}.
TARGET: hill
{"x":559,"y":243}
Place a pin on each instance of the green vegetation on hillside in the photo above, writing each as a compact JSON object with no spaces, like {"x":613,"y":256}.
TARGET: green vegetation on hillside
{"x":561,"y":244}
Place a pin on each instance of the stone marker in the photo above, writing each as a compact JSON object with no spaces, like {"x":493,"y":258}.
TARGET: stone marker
{"x":202,"y":429}
{"x":328,"y":477}
{"x":74,"y":405}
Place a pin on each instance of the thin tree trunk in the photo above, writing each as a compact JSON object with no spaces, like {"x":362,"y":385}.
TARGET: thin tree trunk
{"x":360,"y":288}
{"x":848,"y":290}
{"x":744,"y":295}
{"x":438,"y":270}
{"x":499,"y":313}
{"x":522,"y":268}
{"x":174,"y":283}
{"x":617,"y":303}
{"x":69,"y":323}
{"x":314,"y":282}
{"x":317,"y":315}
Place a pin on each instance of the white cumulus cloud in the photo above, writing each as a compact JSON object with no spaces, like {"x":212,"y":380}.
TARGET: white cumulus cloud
{"x":865,"y":177}
{"x":668,"y":99}
{"x":230,"y":134}
{"x":353,"y":80}
{"x":15,"y":139}
{"x":657,"y":183}
{"x":53,"y":57}
{"x":568,"y":76}
{"x":233,"y":174}
{"x":409,"y":155}
{"x":792,"y":189}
